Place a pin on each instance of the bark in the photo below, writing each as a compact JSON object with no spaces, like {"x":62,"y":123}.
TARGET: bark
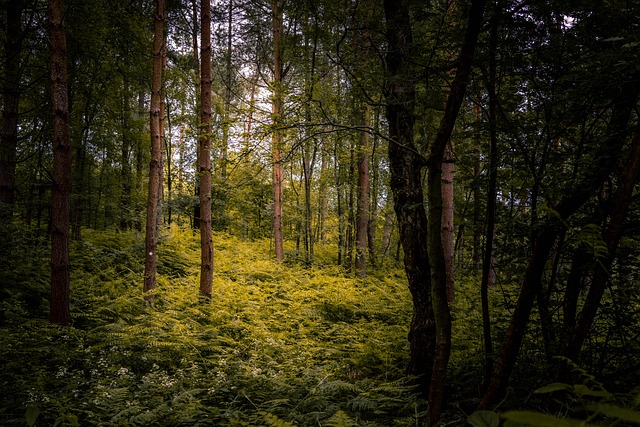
{"x":448,"y":169}
{"x":406,"y":185}
{"x":204,"y":152}
{"x":61,"y":188}
{"x":155,"y":168}
{"x":11,"y":102}
{"x":604,"y":160}
{"x":362,"y":208}
{"x":439,"y":279}
{"x":613,"y":234}
{"x":276,"y":143}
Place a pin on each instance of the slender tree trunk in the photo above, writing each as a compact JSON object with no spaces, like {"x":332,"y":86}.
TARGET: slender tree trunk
{"x":351,"y":219}
{"x":11,"y":102}
{"x":226,"y":123}
{"x":374,"y":190}
{"x":155,"y":168}
{"x":487,"y":262}
{"x":276,"y":144}
{"x":387,"y":228}
{"x":59,"y":309}
{"x":448,"y":169}
{"x":362,"y":208}
{"x":406,"y":185}
{"x":204,"y":152}
{"x":125,"y":162}
{"x":439,"y":279}
{"x":196,"y":57}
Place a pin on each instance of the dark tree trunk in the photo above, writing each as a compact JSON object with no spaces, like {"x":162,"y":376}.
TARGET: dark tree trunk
{"x":155,"y":165}
{"x":439,"y":280}
{"x":406,"y":185}
{"x":276,"y":143}
{"x":61,"y":189}
{"x":204,"y":152}
{"x":487,"y":262}
{"x":362,"y":208}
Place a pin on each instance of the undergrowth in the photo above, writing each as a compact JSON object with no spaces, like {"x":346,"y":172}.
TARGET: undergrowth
{"x":278,"y":344}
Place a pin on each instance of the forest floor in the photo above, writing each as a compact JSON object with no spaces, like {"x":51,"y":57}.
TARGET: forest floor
{"x":279,"y":344}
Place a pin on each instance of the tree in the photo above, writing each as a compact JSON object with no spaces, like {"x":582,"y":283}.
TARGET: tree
{"x":406,"y":165}
{"x":276,"y":142}
{"x":59,"y":312}
{"x":204,"y":152}
{"x":155,"y":165}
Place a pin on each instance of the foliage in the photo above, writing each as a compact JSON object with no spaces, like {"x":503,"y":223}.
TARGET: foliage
{"x":275,"y":346}
{"x":578,"y":405}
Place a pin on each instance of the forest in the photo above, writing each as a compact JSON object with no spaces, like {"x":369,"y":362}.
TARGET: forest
{"x":320,"y":213}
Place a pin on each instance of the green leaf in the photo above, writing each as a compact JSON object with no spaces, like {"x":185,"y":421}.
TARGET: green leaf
{"x":530,"y":418}
{"x":617,"y":412}
{"x":583,"y":390}
{"x":484,"y":419}
{"x":32,"y":415}
{"x":550,"y":388}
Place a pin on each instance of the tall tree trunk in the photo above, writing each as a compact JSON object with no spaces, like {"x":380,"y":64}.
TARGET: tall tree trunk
{"x":406,"y":185}
{"x":61,"y":189}
{"x":155,"y":168}
{"x":125,"y":162}
{"x":374,"y":191}
{"x":276,"y":144}
{"x":11,"y":102}
{"x":196,"y":57}
{"x":226,"y":124}
{"x":439,"y":279}
{"x":487,"y":262}
{"x":448,"y":169}
{"x":204,"y":152}
{"x":362,"y":208}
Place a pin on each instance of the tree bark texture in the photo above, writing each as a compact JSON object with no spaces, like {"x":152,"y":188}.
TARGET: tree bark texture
{"x":276,"y":142}
{"x":155,"y":168}
{"x":204,"y":152}
{"x":60,"y":312}
{"x":406,"y":185}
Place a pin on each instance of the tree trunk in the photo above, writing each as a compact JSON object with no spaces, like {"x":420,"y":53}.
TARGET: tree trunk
{"x":11,"y":103}
{"x":155,"y":168}
{"x":204,"y":152}
{"x":406,"y":185}
{"x":487,"y":262}
{"x":59,"y":310}
{"x":362,"y":213}
{"x":448,"y":169}
{"x":439,"y":272}
{"x":276,"y":144}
